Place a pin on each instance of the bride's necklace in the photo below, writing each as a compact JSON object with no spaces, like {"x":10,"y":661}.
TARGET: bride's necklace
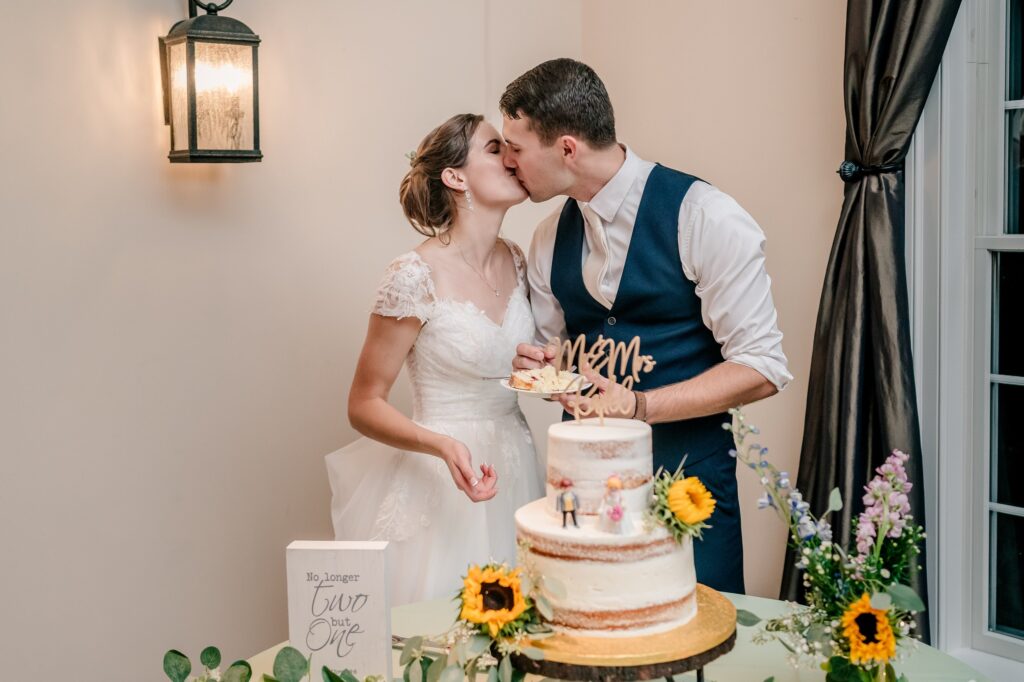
{"x":497,"y":292}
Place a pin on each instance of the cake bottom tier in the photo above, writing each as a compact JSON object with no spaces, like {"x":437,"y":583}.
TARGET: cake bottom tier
{"x":639,"y":582}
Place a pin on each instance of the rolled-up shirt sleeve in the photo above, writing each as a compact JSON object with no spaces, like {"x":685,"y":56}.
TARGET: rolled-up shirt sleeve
{"x":547,"y":312}
{"x":722,"y":251}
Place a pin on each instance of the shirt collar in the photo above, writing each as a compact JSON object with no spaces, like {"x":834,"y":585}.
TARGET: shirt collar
{"x":608,"y":200}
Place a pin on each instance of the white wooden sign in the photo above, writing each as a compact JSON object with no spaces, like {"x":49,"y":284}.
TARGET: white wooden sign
{"x":338,"y":606}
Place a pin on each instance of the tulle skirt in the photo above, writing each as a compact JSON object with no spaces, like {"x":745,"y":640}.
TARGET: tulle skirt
{"x":409,"y":499}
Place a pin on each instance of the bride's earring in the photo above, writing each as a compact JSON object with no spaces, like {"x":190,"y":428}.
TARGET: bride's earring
{"x":469,"y":200}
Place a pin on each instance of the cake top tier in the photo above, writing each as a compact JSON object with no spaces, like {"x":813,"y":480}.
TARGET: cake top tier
{"x":592,"y":431}
{"x":584,"y":456}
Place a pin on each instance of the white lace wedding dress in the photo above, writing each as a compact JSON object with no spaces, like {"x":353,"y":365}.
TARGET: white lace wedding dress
{"x":409,"y":498}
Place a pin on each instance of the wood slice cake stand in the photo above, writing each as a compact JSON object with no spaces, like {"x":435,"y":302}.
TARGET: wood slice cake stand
{"x":710,"y":634}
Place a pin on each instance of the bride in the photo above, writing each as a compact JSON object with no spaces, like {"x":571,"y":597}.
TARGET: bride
{"x":442,"y":487}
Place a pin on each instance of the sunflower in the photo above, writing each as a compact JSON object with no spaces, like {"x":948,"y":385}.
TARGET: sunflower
{"x":869,"y":633}
{"x":492,"y":597}
{"x":690,"y":501}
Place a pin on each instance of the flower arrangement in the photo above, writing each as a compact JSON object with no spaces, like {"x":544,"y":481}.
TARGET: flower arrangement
{"x":860,"y":608}
{"x":500,"y":609}
{"x":681,"y":504}
{"x":290,"y":665}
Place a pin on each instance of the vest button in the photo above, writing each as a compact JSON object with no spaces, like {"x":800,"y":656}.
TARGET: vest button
{"x":611,"y":321}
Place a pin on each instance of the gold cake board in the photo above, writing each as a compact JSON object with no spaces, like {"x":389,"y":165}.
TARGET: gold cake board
{"x":709,"y":634}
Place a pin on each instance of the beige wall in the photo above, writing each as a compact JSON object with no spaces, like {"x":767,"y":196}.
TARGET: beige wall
{"x":177,"y":342}
{"x":746,"y":95}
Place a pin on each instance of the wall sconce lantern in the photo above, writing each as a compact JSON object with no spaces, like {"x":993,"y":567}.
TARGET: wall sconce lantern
{"x":211,"y":88}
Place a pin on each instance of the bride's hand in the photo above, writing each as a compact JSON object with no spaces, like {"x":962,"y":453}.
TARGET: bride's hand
{"x":460,"y":464}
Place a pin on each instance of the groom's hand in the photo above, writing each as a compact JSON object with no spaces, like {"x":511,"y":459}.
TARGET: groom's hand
{"x":619,"y":400}
{"x":532,"y":357}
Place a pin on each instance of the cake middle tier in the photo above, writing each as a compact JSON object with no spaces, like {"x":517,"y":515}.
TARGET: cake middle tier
{"x":584,"y":454}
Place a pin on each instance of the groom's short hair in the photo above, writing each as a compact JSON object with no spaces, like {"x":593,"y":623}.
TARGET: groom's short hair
{"x":562,"y":97}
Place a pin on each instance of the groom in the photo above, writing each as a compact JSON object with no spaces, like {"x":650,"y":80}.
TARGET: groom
{"x":639,"y":249}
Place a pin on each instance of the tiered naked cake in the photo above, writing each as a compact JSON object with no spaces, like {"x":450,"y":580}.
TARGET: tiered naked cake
{"x":622,"y":576}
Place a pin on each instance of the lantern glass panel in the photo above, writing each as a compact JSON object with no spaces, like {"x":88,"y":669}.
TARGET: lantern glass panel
{"x":224,"y":96}
{"x":179,"y":96}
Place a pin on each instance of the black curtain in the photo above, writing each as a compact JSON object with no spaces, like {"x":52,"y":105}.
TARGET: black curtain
{"x":861,"y":400}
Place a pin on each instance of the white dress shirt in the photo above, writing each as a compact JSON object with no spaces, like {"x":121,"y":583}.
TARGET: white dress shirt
{"x":721,"y":250}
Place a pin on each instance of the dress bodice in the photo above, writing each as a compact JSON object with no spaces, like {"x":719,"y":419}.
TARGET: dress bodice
{"x":458,"y":343}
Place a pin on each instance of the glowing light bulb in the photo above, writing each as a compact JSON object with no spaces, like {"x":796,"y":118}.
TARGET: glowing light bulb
{"x":228,"y":77}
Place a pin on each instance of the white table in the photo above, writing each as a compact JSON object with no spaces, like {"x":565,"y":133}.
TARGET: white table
{"x":747,"y":662}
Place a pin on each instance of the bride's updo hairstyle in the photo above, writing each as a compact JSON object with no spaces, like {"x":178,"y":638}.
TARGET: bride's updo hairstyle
{"x":428,"y":203}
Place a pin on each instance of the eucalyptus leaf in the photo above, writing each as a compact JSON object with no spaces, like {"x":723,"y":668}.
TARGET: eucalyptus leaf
{"x":835,"y":501}
{"x":746,"y":618}
{"x":492,"y":674}
{"x":210,"y":657}
{"x":436,"y":668}
{"x":176,"y":665}
{"x":544,"y":607}
{"x":525,"y":584}
{"x":478,"y":644}
{"x":904,"y":597}
{"x":348,"y":676}
{"x":418,"y":667}
{"x":770,"y":679}
{"x":505,"y":670}
{"x":533,"y":653}
{"x":239,"y":671}
{"x":452,"y":673}
{"x":461,"y":655}
{"x":412,"y":645}
{"x":415,"y":672}
{"x":290,"y":665}
{"x":881,"y":601}
{"x":542,"y":634}
{"x":554,"y":587}
{"x":818,"y":633}
{"x":842,"y":670}
{"x":518,"y":676}
{"x":268,"y":678}
{"x":890,"y":673}
{"x":330,"y":676}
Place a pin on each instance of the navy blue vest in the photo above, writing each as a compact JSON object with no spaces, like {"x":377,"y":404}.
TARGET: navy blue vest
{"x":656,"y":302}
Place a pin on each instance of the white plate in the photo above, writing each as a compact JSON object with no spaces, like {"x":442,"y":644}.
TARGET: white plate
{"x":543,"y":394}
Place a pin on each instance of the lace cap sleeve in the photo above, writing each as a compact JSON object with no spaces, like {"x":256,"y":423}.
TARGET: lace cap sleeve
{"x":406,"y":289}
{"x":518,"y":258}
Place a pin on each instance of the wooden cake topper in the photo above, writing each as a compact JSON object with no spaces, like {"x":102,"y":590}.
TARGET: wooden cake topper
{"x":619,"y":362}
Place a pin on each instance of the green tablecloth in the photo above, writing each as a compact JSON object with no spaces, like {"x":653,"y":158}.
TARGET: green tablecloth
{"x":747,"y":662}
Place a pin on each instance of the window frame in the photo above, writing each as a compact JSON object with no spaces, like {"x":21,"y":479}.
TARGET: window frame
{"x":955,"y":221}
{"x":990,"y":239}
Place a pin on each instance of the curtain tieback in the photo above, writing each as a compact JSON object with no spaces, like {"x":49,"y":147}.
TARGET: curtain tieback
{"x":851,"y":171}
